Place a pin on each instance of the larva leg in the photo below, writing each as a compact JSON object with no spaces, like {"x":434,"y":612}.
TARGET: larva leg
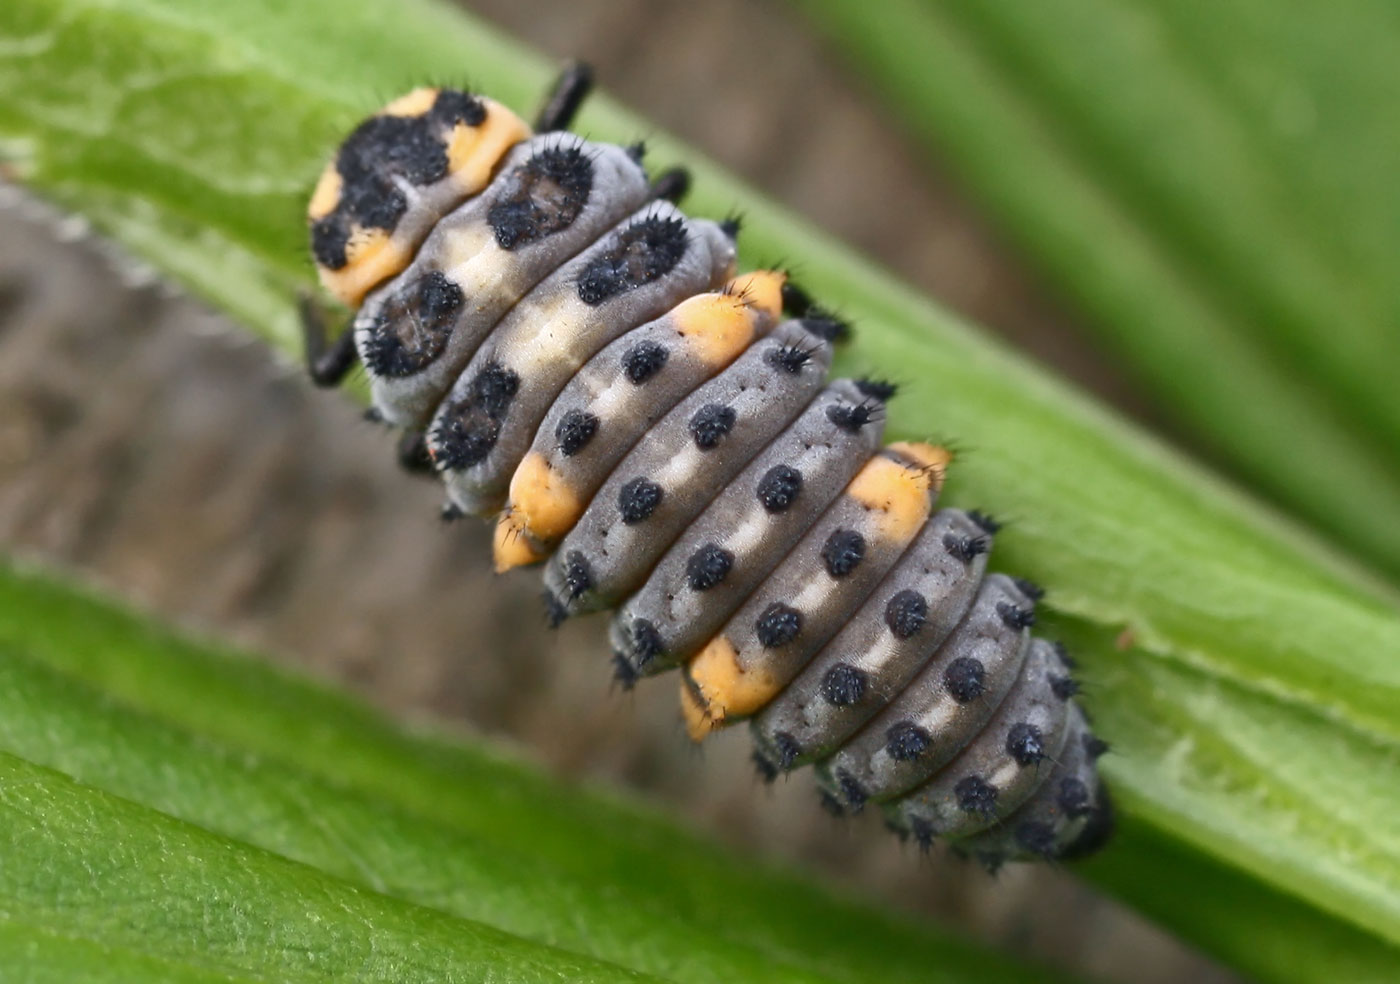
{"x":326,"y":364}
{"x":570,"y":90}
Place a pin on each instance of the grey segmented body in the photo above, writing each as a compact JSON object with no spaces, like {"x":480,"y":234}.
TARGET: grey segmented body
{"x":584,"y":365}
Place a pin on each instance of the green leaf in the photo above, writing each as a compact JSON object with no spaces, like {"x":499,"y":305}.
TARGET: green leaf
{"x":171,"y":811}
{"x":1212,"y":185}
{"x":1242,"y":629}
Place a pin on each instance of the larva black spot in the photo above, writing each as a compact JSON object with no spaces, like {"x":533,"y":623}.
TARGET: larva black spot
{"x":708,"y":566}
{"x":906,"y":613}
{"x":574,"y":430}
{"x":826,"y":328}
{"x":541,"y":197}
{"x":644,"y":360}
{"x":453,"y":106}
{"x":778,"y":625}
{"x":779,"y":488}
{"x":1097,"y":831}
{"x":645,"y":251}
{"x":1073,"y":797}
{"x":965,"y":678}
{"x":877,"y":389}
{"x":905,"y":741}
{"x":844,"y":685}
{"x":843,"y":552}
{"x":854,"y":792}
{"x":646,"y":642}
{"x":1014,"y":616}
{"x":850,"y":417}
{"x":788,"y":750}
{"x":638,"y":499}
{"x":986,"y":523}
{"x":789,"y":358}
{"x":330,"y":236}
{"x":1036,"y":838}
{"x":890,"y":657}
{"x":578,"y":575}
{"x":1028,"y":588}
{"x":1025,"y":743}
{"x":976,"y":795}
{"x":964,"y":547}
{"x":710,"y":423}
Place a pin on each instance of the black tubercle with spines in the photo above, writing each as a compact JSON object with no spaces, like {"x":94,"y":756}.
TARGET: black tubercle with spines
{"x":466,"y":434}
{"x":643,"y":252}
{"x":411,"y":330}
{"x":542,"y":196}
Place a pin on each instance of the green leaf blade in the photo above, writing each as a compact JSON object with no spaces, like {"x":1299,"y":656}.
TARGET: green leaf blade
{"x":124,"y":734}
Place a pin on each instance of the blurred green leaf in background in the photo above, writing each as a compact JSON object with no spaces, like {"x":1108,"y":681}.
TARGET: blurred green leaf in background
{"x":1212,"y":186}
{"x":1245,"y":672}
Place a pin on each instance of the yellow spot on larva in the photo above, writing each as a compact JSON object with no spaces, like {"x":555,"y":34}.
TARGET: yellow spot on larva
{"x":510,"y":547}
{"x":716,"y":327}
{"x":371,"y":257}
{"x":934,"y":457}
{"x":697,"y":720}
{"x":415,"y":103}
{"x":327,"y":194}
{"x":541,"y":501}
{"x":763,"y":289}
{"x":722,"y":690}
{"x":474,"y":151}
{"x":899,"y":483}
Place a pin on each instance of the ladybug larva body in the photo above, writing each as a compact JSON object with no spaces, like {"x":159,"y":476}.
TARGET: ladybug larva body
{"x":581,"y":362}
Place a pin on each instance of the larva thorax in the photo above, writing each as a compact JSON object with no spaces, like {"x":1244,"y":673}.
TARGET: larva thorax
{"x":580,"y":362}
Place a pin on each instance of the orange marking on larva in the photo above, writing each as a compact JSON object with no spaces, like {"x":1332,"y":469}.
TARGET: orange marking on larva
{"x":716,"y":326}
{"x":697,"y":719}
{"x":934,"y":457}
{"x":327,"y":194}
{"x":510,"y":547}
{"x":474,"y":151}
{"x":899,"y":482}
{"x":722,"y":689}
{"x":414,"y":103}
{"x":762,"y":289}
{"x":371,"y":257}
{"x":541,"y":501}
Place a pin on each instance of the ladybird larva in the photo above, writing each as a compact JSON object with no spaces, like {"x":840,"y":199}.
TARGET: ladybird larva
{"x":582,"y":363}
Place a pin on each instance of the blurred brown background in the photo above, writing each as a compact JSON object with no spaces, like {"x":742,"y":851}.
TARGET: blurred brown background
{"x":146,"y":444}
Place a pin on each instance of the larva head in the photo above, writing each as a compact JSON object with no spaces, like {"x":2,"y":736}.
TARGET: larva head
{"x":395,"y":176}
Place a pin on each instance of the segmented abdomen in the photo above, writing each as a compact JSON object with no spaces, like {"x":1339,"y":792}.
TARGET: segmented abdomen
{"x":588,"y":369}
